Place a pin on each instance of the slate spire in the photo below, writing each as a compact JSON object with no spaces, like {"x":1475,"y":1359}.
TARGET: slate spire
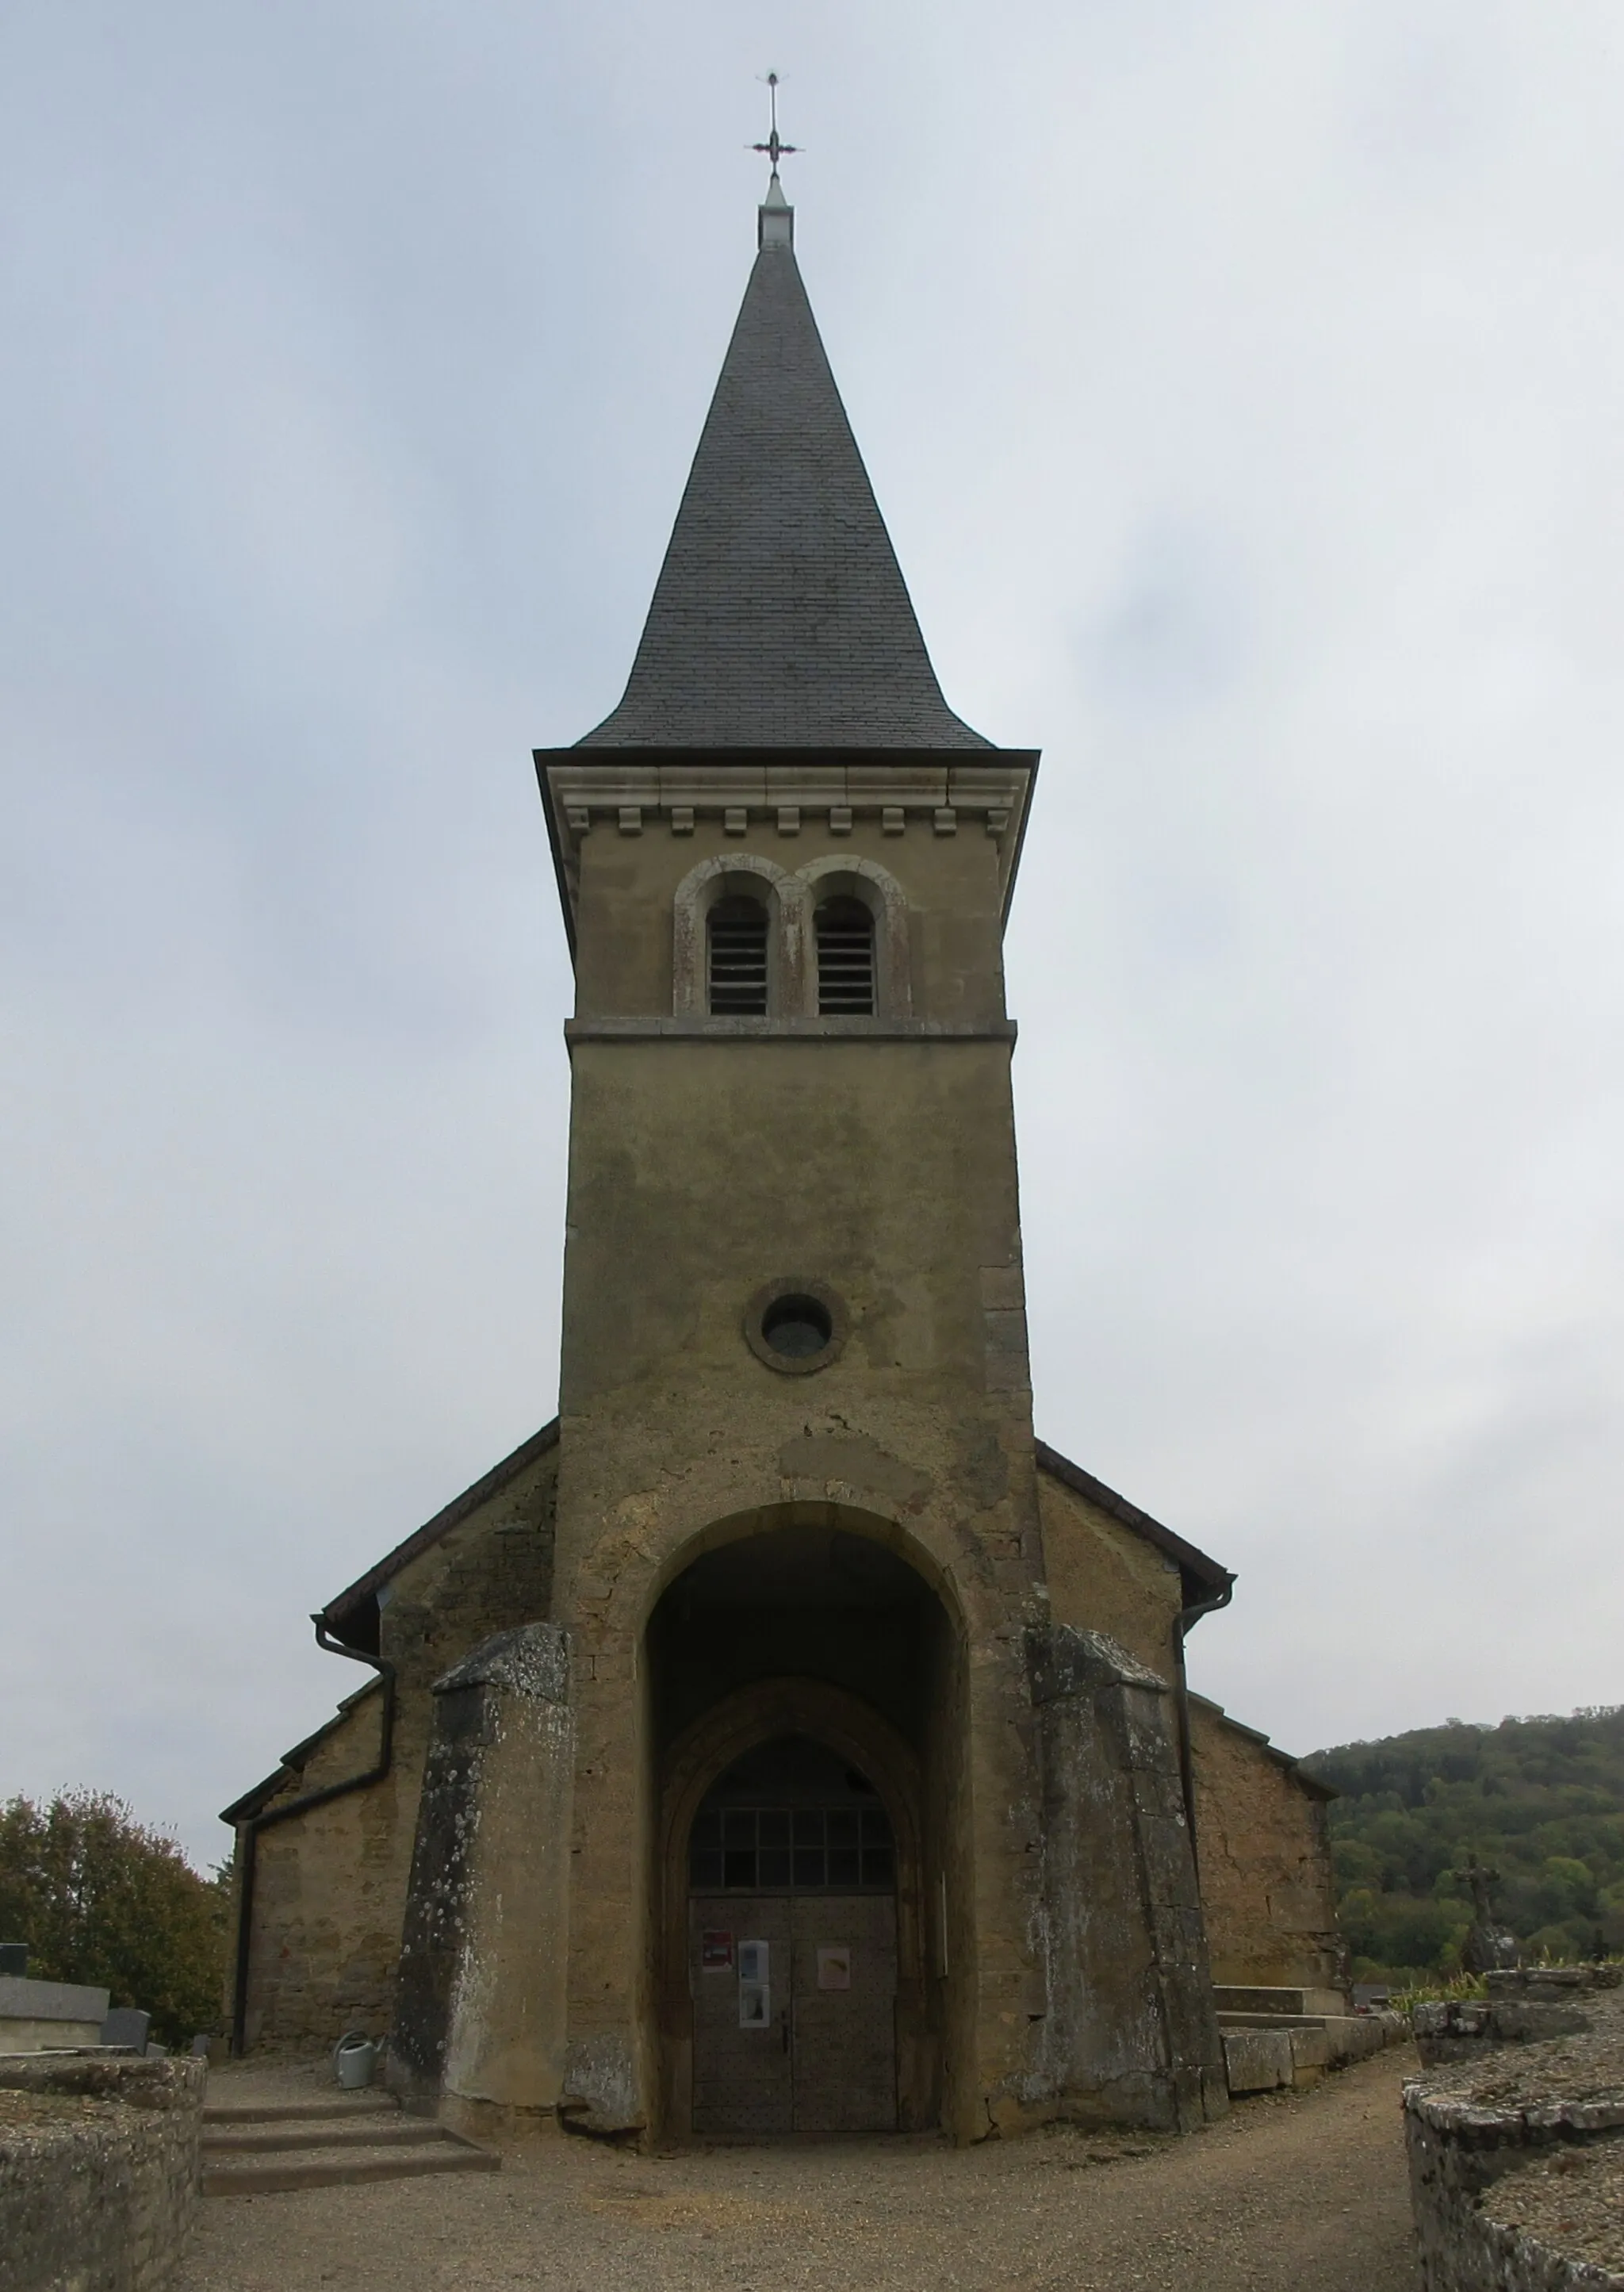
{"x":780,"y":617}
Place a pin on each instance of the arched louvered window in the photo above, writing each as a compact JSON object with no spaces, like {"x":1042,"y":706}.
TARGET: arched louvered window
{"x":736,"y":958}
{"x":844,"y":930}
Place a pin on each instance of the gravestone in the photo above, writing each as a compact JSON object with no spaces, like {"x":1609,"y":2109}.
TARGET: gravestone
{"x":127,"y":2025}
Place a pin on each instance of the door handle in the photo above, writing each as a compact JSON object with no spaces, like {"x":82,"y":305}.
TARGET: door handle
{"x":784,"y":2019}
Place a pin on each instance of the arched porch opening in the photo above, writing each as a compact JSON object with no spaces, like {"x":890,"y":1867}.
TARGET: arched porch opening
{"x":807,"y":1697}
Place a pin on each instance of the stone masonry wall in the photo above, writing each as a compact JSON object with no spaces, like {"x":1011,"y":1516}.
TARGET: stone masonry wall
{"x":1264,"y":1851}
{"x":1102,"y":1578}
{"x":331,"y":1886}
{"x":98,"y":2171}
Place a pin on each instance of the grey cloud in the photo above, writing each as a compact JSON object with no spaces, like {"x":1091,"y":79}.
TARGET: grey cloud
{"x":1240,"y":388}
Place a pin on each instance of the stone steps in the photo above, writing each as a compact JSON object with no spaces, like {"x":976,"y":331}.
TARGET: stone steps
{"x":290,"y":2112}
{"x":250,"y":2152}
{"x":1256,"y":1998}
{"x":263,"y":2139}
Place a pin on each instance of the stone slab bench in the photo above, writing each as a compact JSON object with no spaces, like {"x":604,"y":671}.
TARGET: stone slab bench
{"x":1258,"y":1997}
{"x":1264,"y":2052}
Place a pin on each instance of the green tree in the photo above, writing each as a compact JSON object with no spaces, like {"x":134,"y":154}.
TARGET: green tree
{"x":100,"y":1897}
{"x":1568,"y":1886}
{"x":1610,"y":1916}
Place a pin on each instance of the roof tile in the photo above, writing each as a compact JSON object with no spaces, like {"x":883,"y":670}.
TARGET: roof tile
{"x":780,"y":617}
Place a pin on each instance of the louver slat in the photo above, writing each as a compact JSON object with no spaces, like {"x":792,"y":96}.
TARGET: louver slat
{"x":845,"y":933}
{"x":736,"y":947}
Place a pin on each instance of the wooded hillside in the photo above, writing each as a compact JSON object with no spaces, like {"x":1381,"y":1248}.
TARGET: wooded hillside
{"x":1542,"y":1800}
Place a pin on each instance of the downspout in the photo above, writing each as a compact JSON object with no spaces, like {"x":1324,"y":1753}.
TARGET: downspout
{"x":248,"y":1832}
{"x":1184,"y":1623}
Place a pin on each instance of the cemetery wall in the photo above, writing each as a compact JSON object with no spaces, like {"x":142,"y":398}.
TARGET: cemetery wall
{"x":1515,"y":2161}
{"x":98,"y":2170}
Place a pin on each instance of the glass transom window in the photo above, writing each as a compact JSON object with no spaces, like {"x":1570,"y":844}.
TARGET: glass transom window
{"x":800,"y":1849}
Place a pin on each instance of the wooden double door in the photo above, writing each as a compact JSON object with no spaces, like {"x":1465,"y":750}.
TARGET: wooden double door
{"x":794,"y":2012}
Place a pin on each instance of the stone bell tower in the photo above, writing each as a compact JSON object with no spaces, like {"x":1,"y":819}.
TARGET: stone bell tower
{"x":798,"y":1810}
{"x":793,"y":1290}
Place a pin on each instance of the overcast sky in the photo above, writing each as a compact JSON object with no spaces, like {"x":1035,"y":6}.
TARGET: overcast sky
{"x":1242,"y":382}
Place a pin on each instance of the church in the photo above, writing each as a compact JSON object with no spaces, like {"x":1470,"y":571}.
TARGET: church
{"x":784,"y":1738}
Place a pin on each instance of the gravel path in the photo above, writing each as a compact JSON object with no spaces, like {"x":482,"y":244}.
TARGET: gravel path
{"x":1296,"y":2193}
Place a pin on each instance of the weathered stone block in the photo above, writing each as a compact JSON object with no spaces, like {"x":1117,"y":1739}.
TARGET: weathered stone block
{"x":35,"y":2015}
{"x":1129,"y":2030}
{"x":1314,"y":2047}
{"x":26,"y":2000}
{"x":127,"y":2025}
{"x":1355,"y":2037}
{"x":1257,"y":2061}
{"x":1252,"y":1997}
{"x":480,"y":2001}
{"x":1552,"y":1982}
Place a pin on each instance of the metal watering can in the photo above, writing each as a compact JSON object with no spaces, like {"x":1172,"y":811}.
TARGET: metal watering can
{"x":355,"y":2057}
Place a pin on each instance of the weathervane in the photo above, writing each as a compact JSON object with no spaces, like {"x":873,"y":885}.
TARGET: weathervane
{"x":774,"y":148}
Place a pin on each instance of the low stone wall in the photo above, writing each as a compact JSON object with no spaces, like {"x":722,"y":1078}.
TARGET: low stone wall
{"x":1558,"y":2226}
{"x":1524,"y":2004}
{"x":1483,"y":2138}
{"x":98,"y":2170}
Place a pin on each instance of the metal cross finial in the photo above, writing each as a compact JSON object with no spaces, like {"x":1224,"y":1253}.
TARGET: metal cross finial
{"x":774,"y":148}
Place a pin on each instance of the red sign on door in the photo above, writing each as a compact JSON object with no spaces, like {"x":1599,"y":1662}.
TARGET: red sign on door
{"x":715,"y":1952}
